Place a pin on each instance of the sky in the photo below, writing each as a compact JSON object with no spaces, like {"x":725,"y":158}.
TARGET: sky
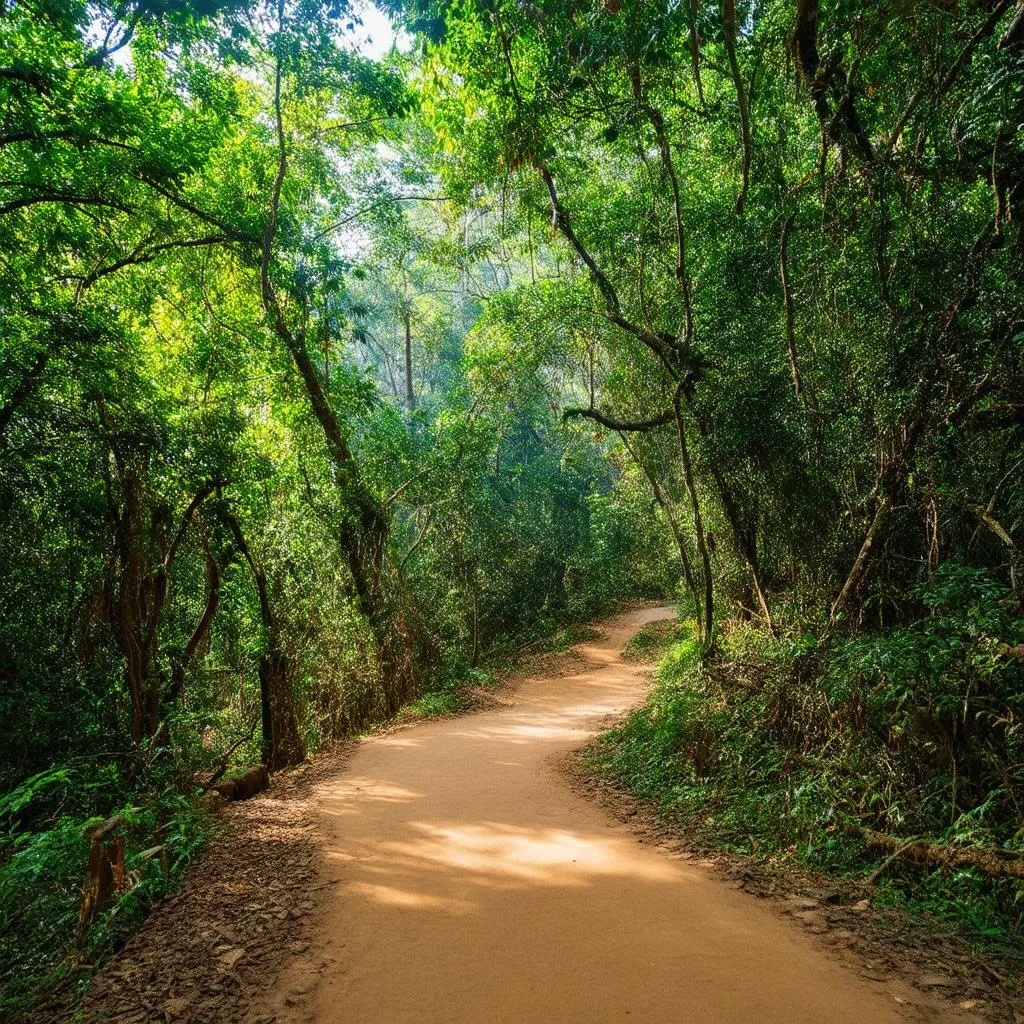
{"x":372,"y":39}
{"x":376,"y":35}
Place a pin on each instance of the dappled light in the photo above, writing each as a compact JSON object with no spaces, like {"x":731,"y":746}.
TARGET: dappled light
{"x":471,"y":839}
{"x":492,"y":854}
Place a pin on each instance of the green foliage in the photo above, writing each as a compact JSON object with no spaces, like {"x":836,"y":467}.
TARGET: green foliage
{"x":790,"y":747}
{"x":261,"y":480}
{"x":652,"y":640}
{"x":42,"y":854}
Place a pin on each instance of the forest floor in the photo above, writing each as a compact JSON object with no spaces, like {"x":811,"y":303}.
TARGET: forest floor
{"x":465,"y":870}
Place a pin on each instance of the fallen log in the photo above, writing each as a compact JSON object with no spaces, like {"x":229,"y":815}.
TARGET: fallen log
{"x":226,"y":759}
{"x":254,"y":781}
{"x":991,"y":860}
{"x":104,"y":873}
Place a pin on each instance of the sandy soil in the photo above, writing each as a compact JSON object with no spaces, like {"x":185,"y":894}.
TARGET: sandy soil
{"x":464,"y":881}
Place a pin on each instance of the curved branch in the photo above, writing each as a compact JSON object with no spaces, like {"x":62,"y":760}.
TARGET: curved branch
{"x":985,"y":29}
{"x":142,"y":255}
{"x":619,"y":425}
{"x":729,"y":25}
{"x":657,"y":343}
{"x":657,"y":121}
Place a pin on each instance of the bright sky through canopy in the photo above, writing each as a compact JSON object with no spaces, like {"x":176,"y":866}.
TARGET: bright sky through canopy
{"x":376,"y":35}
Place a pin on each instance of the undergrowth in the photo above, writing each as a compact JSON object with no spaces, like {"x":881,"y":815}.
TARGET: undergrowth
{"x":451,"y":695}
{"x":791,"y":747}
{"x":652,"y":640}
{"x":457,"y":690}
{"x":43,"y":851}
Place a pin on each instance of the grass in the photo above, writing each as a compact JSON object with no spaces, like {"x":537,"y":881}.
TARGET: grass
{"x":653,"y":640}
{"x":745,"y":754}
{"x":454,"y":695}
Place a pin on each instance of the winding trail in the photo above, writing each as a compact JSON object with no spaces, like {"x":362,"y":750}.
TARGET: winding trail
{"x":464,"y":882}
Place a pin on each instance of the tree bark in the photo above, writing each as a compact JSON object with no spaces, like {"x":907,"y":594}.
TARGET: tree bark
{"x":992,"y":861}
{"x":698,"y":522}
{"x":695,"y":49}
{"x":24,"y":388}
{"x":666,"y":507}
{"x":681,"y":273}
{"x":730,"y":30}
{"x":410,"y":396}
{"x":860,"y":562}
{"x":787,"y":297}
{"x":620,"y":426}
{"x":201,"y":631}
{"x":282,"y":739}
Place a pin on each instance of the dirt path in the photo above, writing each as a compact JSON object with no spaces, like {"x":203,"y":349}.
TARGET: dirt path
{"x":465,"y":882}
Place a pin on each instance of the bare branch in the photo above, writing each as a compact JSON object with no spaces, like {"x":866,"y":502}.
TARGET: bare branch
{"x":620,"y":425}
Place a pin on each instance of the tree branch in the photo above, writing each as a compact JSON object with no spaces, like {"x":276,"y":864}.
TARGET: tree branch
{"x":619,"y":425}
{"x":985,"y":29}
{"x":729,"y":27}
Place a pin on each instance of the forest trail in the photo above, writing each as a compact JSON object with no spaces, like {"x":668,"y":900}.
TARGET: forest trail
{"x":464,"y":882}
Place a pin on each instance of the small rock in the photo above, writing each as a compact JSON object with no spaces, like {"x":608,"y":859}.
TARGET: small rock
{"x":969,"y":1004}
{"x":830,"y":896}
{"x":860,"y":906}
{"x":796,"y":904}
{"x":231,"y":957}
{"x":815,"y":920}
{"x":934,"y":981}
{"x":177,"y":1007}
{"x":212,"y":802}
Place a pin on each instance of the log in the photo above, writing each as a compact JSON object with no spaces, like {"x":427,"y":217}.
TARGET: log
{"x":254,"y":781}
{"x":104,"y":874}
{"x":991,"y":860}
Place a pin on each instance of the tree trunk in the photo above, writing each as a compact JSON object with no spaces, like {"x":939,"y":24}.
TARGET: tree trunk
{"x":860,"y":562}
{"x":787,"y":298}
{"x":730,"y":30}
{"x":410,"y":396}
{"x":698,"y":522}
{"x":695,"y":49}
{"x":665,"y":505}
{"x":282,"y":738}
{"x":138,"y":599}
{"x":363,"y":531}
{"x":201,"y":633}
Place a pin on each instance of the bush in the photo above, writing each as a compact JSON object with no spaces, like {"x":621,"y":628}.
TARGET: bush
{"x":43,"y":853}
{"x":790,"y":746}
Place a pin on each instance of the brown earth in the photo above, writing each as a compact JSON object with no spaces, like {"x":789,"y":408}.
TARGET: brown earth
{"x":448,"y":871}
{"x":469,"y":883}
